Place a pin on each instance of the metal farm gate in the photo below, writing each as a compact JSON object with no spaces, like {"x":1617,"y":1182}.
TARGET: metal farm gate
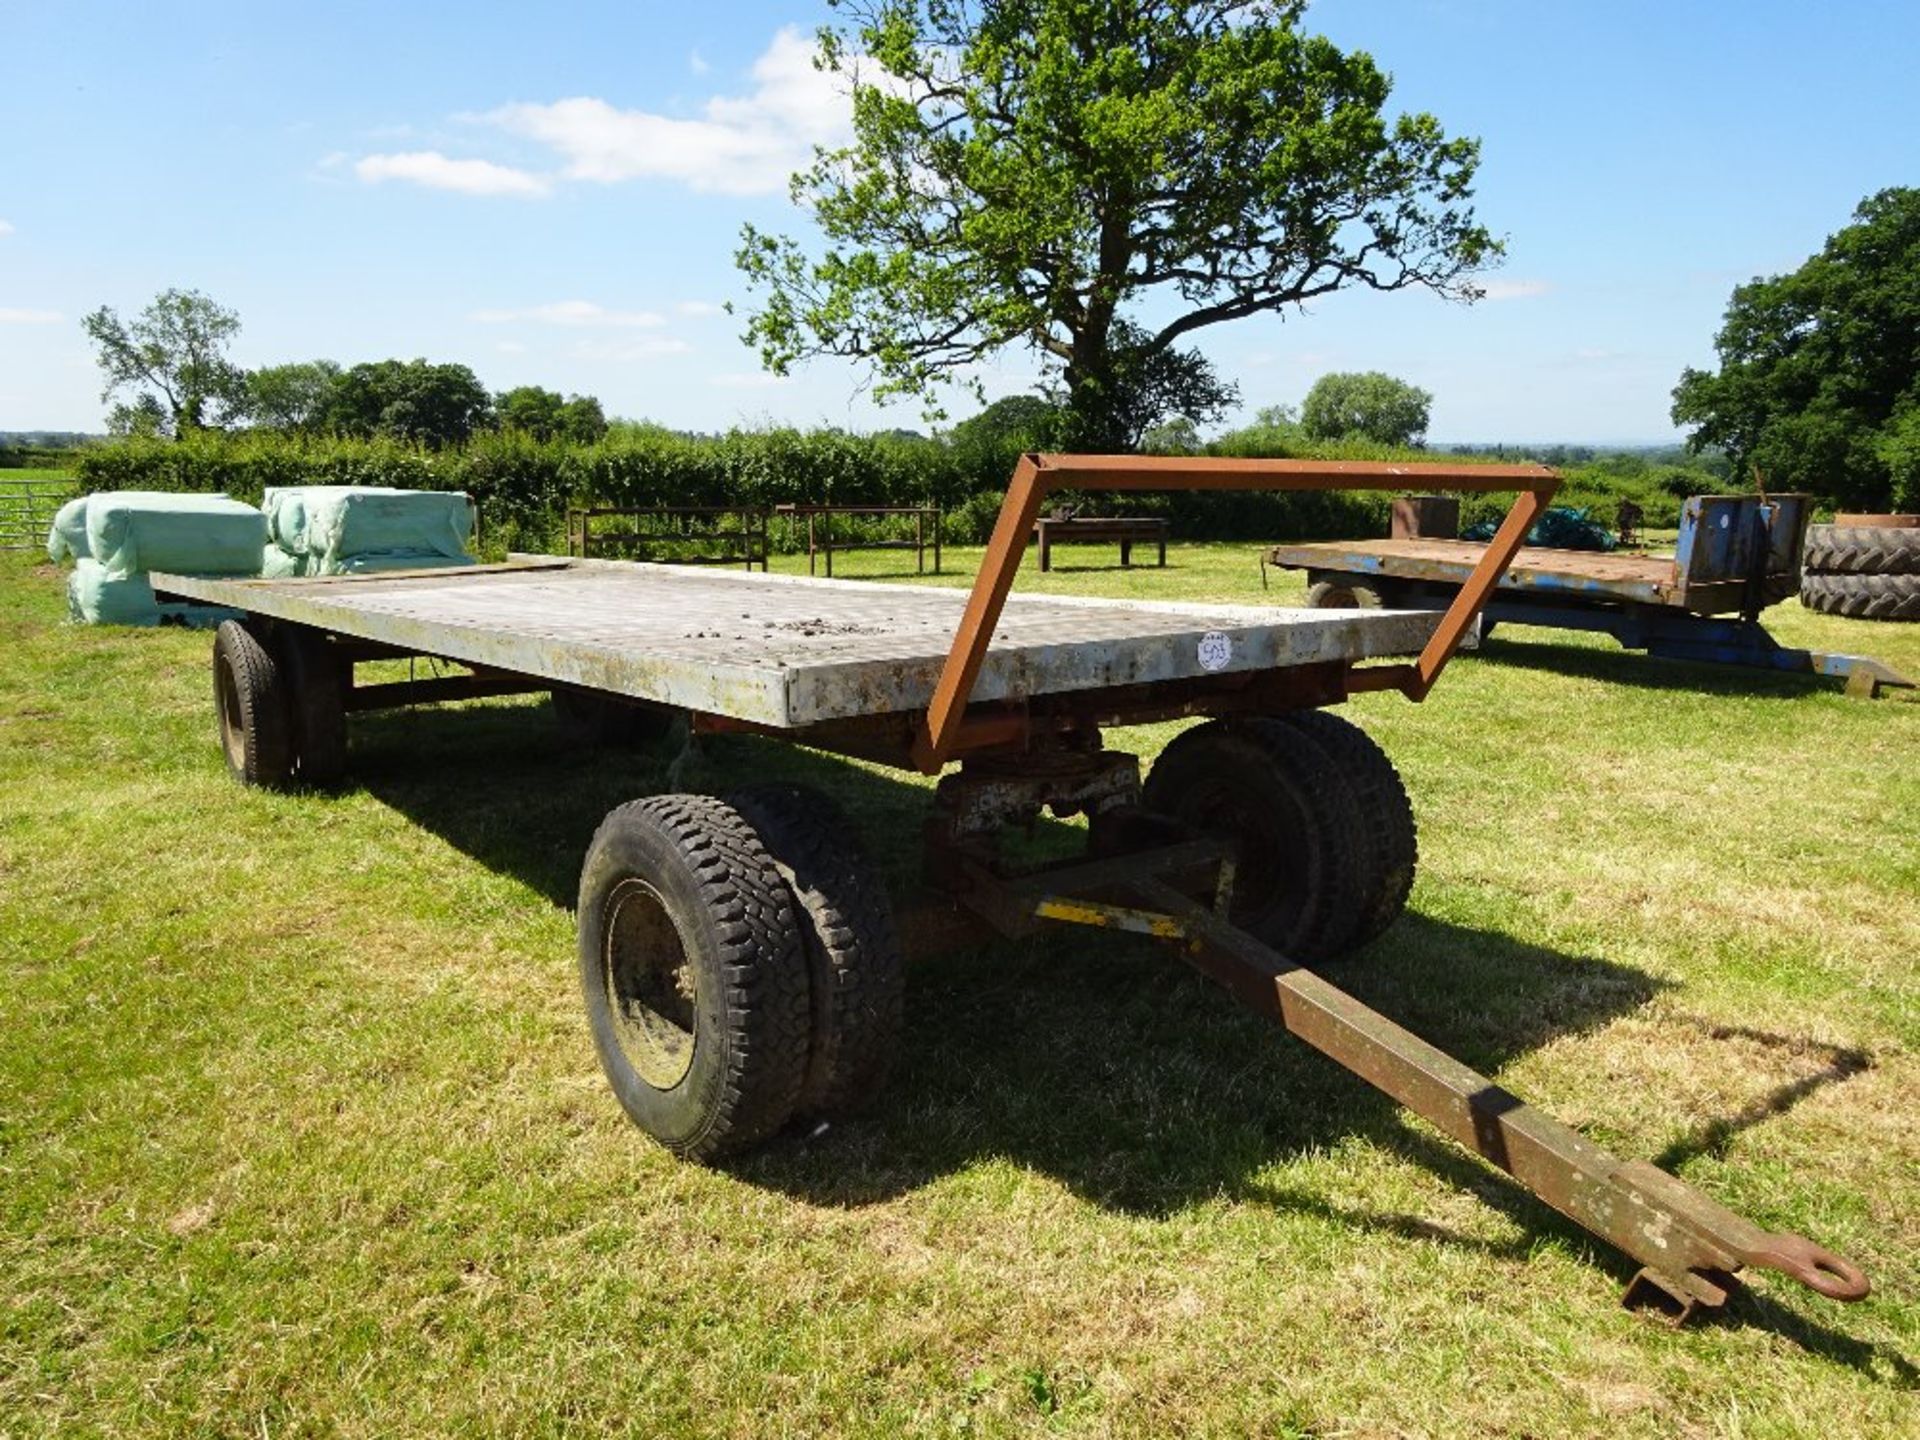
{"x":26,"y":511}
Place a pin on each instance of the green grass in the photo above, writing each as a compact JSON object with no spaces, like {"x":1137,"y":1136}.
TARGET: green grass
{"x":301,"y":1130}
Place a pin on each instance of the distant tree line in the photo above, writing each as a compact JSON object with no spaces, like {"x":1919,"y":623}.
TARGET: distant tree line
{"x":168,"y":374}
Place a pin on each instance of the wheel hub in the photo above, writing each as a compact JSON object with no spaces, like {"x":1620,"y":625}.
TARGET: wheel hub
{"x":650,"y":987}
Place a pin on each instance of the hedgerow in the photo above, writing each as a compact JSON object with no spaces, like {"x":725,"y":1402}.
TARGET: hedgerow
{"x":524,"y":486}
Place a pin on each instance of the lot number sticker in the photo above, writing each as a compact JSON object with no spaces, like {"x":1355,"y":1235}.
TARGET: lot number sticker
{"x":1215,"y":650}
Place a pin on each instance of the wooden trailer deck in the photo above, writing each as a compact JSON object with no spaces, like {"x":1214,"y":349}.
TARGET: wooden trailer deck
{"x":789,"y":652}
{"x":1647,"y":579}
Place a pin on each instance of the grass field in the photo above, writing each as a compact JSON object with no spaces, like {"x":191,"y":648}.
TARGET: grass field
{"x":301,"y":1131}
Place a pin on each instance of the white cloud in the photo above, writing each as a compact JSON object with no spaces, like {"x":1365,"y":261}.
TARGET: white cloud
{"x":510,"y":347}
{"x":6,"y":227}
{"x":698,"y":309}
{"x":577,"y":314}
{"x":15,"y":316}
{"x":741,"y":145}
{"x":440,"y":172}
{"x":697,"y":63}
{"x":1515,"y":289}
{"x":650,"y":347}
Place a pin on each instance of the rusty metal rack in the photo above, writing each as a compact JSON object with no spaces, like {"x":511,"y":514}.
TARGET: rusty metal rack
{"x":821,"y":540}
{"x":742,"y":543}
{"x":1264,"y":840}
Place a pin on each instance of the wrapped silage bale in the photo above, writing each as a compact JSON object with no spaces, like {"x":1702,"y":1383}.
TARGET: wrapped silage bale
{"x":133,"y":531}
{"x":288,"y":506}
{"x":361,"y":529}
{"x":96,"y":596}
{"x":68,"y":533}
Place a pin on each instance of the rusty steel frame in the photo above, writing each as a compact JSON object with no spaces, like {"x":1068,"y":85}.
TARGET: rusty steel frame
{"x":1037,"y":476}
{"x":1690,"y":1247}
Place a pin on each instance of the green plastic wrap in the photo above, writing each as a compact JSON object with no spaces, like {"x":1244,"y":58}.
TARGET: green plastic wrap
{"x":95,"y":596}
{"x":68,"y":533}
{"x":340,"y":529}
{"x":131,"y":531}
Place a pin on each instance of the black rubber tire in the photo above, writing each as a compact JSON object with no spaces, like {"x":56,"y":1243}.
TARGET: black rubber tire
{"x":250,"y":701}
{"x":600,"y":721}
{"x":1285,"y":802}
{"x":1863,"y":597}
{"x":1861,"y":550}
{"x":680,"y":905}
{"x":1345,"y":595}
{"x":855,"y":969}
{"x":317,"y":695}
{"x":1390,"y":840}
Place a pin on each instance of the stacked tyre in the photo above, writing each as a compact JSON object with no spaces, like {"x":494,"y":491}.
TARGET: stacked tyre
{"x":1866,"y":567}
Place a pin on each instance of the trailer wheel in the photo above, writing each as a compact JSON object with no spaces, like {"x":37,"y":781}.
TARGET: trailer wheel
{"x":317,"y":682}
{"x":694,"y":977}
{"x":1344,"y":595}
{"x":857,"y":976}
{"x":602,"y":722}
{"x":1389,"y":838}
{"x":250,"y":698}
{"x":1285,"y":803}
{"x":1863,"y":597}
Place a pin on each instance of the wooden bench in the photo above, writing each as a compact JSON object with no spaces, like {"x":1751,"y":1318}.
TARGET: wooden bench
{"x":1124,"y":528}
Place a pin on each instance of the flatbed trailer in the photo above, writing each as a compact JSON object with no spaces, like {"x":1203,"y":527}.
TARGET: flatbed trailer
{"x":1735,"y":555}
{"x":739,"y":962}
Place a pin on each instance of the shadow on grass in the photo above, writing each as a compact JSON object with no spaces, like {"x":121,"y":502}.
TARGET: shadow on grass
{"x":1090,"y":1058}
{"x":1649,"y":672}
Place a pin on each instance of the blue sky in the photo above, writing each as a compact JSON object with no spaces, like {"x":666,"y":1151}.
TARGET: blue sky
{"x":552,"y":195}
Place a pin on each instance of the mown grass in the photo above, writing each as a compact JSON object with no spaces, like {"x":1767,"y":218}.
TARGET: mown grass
{"x":301,"y":1131}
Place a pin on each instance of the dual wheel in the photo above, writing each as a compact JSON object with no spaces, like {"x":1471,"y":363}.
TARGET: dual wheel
{"x":739,"y":963}
{"x":281,"y":702}
{"x":280,"y":693}
{"x":1320,"y":824}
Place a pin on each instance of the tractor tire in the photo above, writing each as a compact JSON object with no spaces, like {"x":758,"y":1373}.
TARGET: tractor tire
{"x":1345,"y":595}
{"x":250,"y":699}
{"x":1863,"y":597}
{"x":1390,"y":840}
{"x":1284,"y":802}
{"x":317,"y":681}
{"x":854,"y":965}
{"x":693,"y":973}
{"x":593,"y":721}
{"x":1861,"y":550}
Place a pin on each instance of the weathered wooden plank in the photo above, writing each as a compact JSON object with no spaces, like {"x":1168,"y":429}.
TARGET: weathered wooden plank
{"x":786,"y":651}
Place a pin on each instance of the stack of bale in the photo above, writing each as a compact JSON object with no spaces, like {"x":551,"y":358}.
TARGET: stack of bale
{"x":117,"y":537}
{"x":1863,"y":566}
{"x":363,"y":529}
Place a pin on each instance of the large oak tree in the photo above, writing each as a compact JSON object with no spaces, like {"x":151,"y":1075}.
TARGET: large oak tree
{"x":1099,"y":180}
{"x":1819,"y":381}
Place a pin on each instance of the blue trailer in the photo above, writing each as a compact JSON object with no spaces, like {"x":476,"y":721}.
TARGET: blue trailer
{"x":1736,"y":554}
